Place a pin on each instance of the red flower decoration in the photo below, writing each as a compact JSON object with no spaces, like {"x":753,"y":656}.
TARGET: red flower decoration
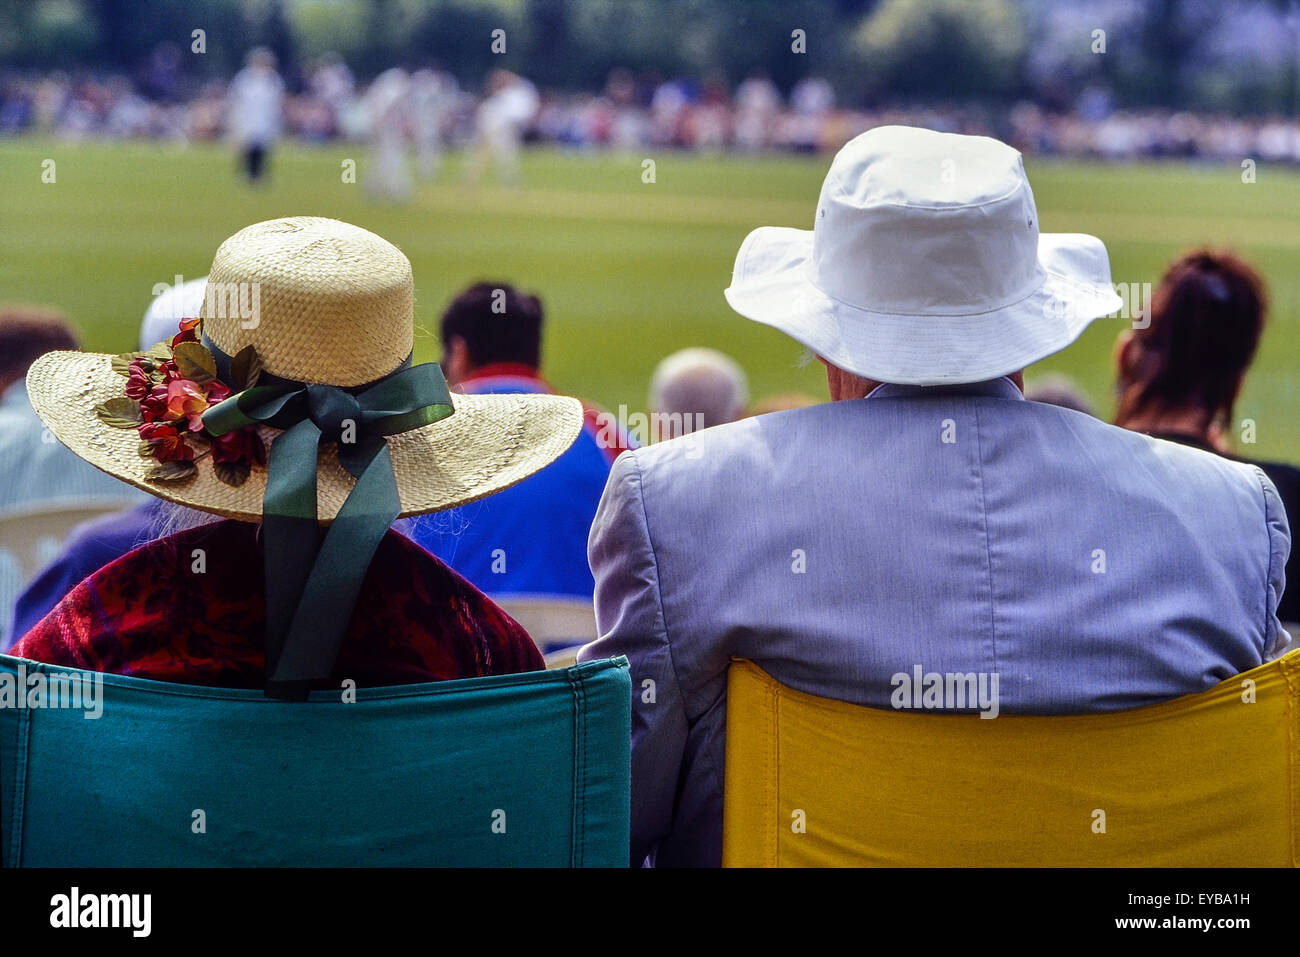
{"x":239,"y":446}
{"x":167,"y":443}
{"x":188,"y":332}
{"x":137,"y":382}
{"x":171,"y":411}
{"x":153,"y":407}
{"x":186,"y":400}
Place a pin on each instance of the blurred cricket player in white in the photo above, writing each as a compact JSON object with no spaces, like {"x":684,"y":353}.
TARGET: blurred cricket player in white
{"x":433,"y":96}
{"x":388,"y":106}
{"x":500,"y":123}
{"x":254,"y":111}
{"x":758,"y":104}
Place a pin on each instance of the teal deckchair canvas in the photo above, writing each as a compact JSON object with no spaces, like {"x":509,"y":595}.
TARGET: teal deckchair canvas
{"x":512,"y":770}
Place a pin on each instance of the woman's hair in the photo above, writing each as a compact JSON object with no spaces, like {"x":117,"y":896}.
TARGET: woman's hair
{"x":1206,"y":316}
{"x":171,"y":518}
{"x":168,"y":519}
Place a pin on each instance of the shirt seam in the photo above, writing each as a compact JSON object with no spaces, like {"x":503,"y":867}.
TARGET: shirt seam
{"x":654,"y":561}
{"x":988,"y":545}
{"x":1260,"y":477}
{"x":663,"y":616}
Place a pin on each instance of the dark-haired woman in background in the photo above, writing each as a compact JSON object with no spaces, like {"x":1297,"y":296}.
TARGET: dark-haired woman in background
{"x":1179,"y":378}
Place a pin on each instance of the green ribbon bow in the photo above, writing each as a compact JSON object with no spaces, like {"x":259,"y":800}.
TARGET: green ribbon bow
{"x":312,"y":582}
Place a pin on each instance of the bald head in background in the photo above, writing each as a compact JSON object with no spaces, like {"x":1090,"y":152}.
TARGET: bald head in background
{"x":701,"y":383}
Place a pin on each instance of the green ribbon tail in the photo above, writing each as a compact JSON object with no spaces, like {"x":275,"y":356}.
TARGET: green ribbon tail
{"x":290,"y":532}
{"x":325,"y":608}
{"x":312,"y":578}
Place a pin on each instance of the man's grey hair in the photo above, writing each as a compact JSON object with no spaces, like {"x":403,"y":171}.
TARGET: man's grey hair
{"x":701,"y":382}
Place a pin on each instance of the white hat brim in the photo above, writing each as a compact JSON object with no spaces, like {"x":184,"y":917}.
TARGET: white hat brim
{"x":490,"y":443}
{"x":771,"y":284}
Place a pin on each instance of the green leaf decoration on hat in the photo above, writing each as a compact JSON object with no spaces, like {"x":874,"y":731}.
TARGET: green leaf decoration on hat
{"x":119,"y":412}
{"x":195,"y":362}
{"x":245,"y":369}
{"x":171,"y":472}
{"x":122,"y":363}
{"x":233,"y":473}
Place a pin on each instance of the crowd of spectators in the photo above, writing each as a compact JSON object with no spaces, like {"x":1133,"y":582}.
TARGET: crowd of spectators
{"x":632,"y":112}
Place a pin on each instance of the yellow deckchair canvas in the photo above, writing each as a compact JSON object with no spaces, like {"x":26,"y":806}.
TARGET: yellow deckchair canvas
{"x":1211,"y":779}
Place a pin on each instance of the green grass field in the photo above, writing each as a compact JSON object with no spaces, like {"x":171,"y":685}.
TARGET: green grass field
{"x":628,"y":271}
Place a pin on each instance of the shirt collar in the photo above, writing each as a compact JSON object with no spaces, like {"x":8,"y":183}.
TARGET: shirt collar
{"x":505,"y":370}
{"x":1000,"y":388}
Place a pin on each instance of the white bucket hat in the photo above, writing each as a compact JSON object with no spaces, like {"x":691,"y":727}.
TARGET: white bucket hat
{"x":925,"y":265}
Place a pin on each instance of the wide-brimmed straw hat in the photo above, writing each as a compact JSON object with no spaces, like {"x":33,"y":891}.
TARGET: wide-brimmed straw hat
{"x":925,"y":265}
{"x":318,"y":301}
{"x":292,"y":401}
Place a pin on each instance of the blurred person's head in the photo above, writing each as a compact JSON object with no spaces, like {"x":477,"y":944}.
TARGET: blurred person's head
{"x":26,"y":333}
{"x":168,"y":308}
{"x":1183,"y":372}
{"x":701,"y":383}
{"x":261,"y":58}
{"x":489,"y":323}
{"x":620,"y":86}
{"x":1059,"y":390}
{"x":499,"y":79}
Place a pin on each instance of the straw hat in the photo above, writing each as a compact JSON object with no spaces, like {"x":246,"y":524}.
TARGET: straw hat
{"x":331,"y":304}
{"x":925,"y":265}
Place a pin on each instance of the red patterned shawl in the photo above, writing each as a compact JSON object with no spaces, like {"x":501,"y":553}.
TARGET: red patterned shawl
{"x":152,"y":614}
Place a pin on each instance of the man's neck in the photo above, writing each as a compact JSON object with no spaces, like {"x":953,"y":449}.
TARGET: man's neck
{"x":516,"y":370}
{"x":845,"y":385}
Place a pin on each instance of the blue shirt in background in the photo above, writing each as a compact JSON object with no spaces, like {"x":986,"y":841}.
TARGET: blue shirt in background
{"x":530,"y":539}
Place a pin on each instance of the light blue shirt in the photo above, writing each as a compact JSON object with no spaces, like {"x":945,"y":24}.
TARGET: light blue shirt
{"x":37,"y":471}
{"x":530,"y":539}
{"x":957,"y":529}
